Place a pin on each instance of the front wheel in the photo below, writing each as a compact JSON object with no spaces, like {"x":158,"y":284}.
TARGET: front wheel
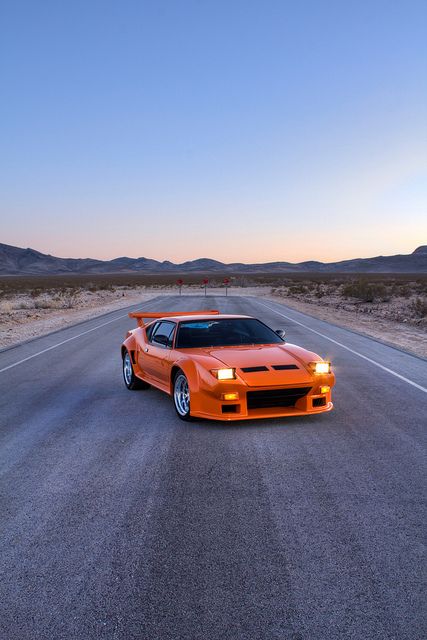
{"x":131,"y":381}
{"x":181,"y":396}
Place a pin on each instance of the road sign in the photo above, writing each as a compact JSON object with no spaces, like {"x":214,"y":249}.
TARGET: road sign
{"x":226,"y":282}
{"x":205,"y":281}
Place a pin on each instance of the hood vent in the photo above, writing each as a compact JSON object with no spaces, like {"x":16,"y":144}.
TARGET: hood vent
{"x":253,"y":369}
{"x":282,"y":367}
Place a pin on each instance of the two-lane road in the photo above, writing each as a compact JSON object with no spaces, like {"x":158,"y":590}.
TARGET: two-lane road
{"x":117,"y":520}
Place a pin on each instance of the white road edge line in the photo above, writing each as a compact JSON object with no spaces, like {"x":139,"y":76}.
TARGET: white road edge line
{"x":340,"y":344}
{"x":98,"y":326}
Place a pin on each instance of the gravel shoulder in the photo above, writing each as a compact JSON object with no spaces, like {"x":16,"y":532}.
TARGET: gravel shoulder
{"x":18,"y":325}
{"x":397,"y":334}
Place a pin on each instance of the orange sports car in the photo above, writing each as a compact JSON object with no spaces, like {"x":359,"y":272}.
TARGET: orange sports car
{"x":224,"y":367}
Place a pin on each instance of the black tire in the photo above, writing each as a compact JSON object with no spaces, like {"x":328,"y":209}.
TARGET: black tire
{"x":131,"y":380}
{"x":181,"y":396}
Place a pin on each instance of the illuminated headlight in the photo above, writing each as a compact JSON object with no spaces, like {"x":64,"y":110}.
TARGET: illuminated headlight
{"x":321,"y":367}
{"x":224,"y":374}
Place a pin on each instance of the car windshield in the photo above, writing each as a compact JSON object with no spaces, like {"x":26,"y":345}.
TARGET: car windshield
{"x":225,"y":332}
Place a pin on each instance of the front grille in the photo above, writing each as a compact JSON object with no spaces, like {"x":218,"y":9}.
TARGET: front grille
{"x":282,"y":367}
{"x":275,"y":397}
{"x":253,"y":369}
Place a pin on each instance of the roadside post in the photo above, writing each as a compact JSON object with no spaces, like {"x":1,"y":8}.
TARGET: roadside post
{"x":227,"y":284}
{"x":205,"y":282}
{"x":180,"y":283}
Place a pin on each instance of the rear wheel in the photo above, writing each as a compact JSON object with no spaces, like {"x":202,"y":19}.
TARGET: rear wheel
{"x":181,"y":396}
{"x":131,"y":381}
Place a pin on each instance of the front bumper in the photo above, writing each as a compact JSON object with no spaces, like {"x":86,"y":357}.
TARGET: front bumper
{"x":209,"y":403}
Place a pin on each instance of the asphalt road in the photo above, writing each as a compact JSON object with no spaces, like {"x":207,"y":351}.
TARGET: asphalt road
{"x":117,"y":520}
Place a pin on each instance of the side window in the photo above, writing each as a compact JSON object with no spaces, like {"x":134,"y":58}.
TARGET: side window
{"x":162,"y":334}
{"x":149,"y":330}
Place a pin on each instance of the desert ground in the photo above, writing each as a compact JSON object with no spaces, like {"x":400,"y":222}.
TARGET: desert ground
{"x":390,"y":308}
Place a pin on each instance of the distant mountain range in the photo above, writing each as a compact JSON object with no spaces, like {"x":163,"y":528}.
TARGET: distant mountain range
{"x":17,"y":261}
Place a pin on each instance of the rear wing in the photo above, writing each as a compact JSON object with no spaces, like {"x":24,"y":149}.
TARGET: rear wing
{"x":140,"y":315}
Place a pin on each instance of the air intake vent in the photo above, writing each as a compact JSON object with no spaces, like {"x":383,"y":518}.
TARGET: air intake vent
{"x":319,"y":402}
{"x":282,"y":367}
{"x":275,"y":397}
{"x":230,"y":408}
{"x":253,"y":369}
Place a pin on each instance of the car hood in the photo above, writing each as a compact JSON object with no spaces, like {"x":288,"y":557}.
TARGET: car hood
{"x":250,"y":357}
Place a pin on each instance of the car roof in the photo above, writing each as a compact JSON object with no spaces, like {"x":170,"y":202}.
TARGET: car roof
{"x":198,"y":318}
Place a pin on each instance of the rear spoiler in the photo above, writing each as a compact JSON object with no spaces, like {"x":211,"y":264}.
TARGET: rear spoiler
{"x":140,"y":315}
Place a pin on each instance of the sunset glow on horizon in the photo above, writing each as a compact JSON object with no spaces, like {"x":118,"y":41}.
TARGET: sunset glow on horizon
{"x":242,"y":132}
{"x":320,"y":254}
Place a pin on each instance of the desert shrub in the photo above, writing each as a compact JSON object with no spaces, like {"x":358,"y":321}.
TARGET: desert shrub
{"x":365,"y":291}
{"x":6,"y":306}
{"x":297,"y":288}
{"x":419,"y":307}
{"x":42,"y":304}
{"x":421,"y":287}
{"x":23,"y":304}
{"x":69,"y":299}
{"x":404,"y":290}
{"x":54,"y":302}
{"x":279,"y":291}
{"x":319,"y":293}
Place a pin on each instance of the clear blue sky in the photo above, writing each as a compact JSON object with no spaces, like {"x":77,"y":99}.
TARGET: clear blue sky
{"x":238,"y":130}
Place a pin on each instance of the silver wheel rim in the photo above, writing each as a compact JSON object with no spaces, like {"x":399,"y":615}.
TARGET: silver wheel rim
{"x":127,"y":369}
{"x":181,"y":395}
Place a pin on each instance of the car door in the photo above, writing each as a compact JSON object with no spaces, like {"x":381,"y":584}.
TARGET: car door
{"x":155,"y":358}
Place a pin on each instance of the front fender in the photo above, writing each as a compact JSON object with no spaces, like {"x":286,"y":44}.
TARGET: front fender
{"x":190,"y":369}
{"x":205,"y":389}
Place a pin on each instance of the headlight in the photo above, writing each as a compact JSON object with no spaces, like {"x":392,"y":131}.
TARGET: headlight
{"x":321,"y":367}
{"x":224,"y":374}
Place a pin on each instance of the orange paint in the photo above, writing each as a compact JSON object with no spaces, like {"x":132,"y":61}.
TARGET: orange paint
{"x":276,"y":374}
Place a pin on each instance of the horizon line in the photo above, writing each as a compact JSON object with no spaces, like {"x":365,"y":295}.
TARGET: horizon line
{"x":208,"y":258}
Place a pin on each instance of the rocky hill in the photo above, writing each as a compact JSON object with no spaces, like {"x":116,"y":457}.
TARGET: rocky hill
{"x":17,"y":261}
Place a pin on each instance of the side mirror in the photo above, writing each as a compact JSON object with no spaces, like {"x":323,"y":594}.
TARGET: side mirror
{"x":161,"y":340}
{"x":281,"y":333}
